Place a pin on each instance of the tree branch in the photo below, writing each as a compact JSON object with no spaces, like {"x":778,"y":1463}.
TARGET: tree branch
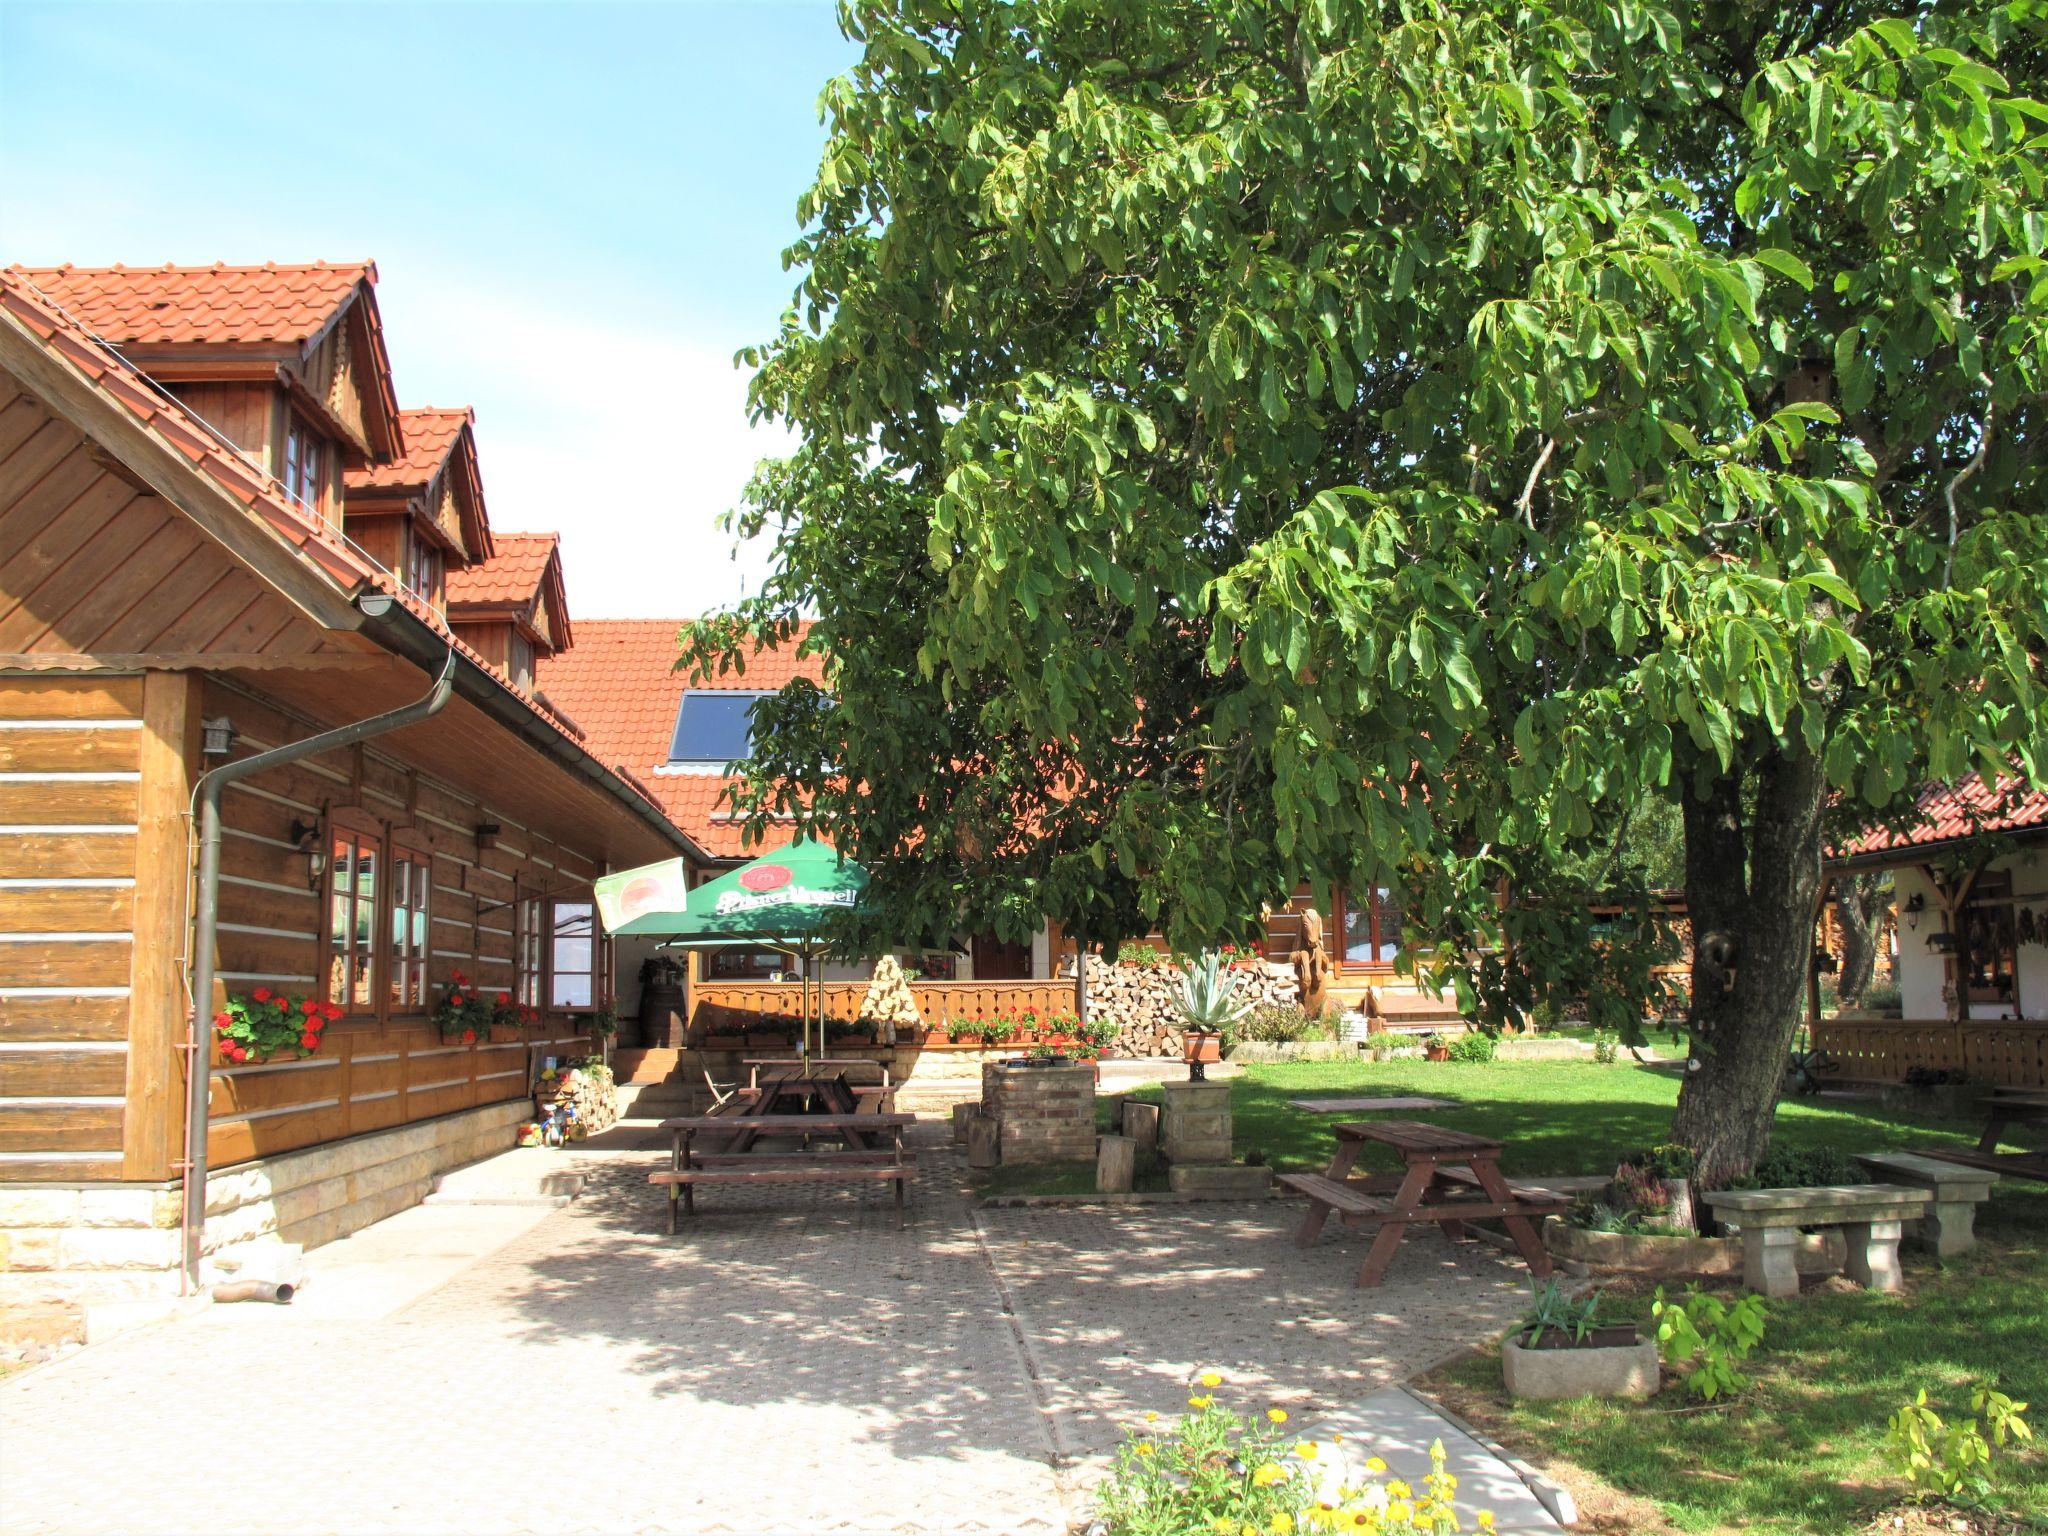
{"x":1948,"y":493}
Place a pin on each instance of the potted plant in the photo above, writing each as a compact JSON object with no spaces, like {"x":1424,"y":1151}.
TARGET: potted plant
{"x":1435,"y":1047}
{"x":1561,"y":1348}
{"x":992,"y":1032}
{"x":1209,"y":1004}
{"x":256,"y":1027}
{"x":464,"y":1015}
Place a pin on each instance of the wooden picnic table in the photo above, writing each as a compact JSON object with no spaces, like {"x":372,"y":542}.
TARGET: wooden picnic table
{"x":860,"y":1160}
{"x":786,"y":1090}
{"x":2003,"y":1109}
{"x":1450,"y":1178}
{"x":754,"y":1064}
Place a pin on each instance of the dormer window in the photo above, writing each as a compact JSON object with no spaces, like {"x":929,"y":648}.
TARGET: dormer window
{"x":714,"y":728}
{"x":305,"y":464}
{"x":521,"y":662}
{"x":424,"y":568}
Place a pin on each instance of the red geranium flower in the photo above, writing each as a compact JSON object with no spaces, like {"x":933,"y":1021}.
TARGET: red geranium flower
{"x":223,"y":1020}
{"x":333,"y":1011}
{"x":468,"y":1035}
{"x":455,"y":997}
{"x":310,"y":1040}
{"x":261,"y":994}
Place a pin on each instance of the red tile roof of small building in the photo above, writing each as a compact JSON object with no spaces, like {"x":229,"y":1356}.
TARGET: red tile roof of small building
{"x":510,"y":578}
{"x":620,"y":684}
{"x":169,"y":305}
{"x":1946,"y":813}
{"x":431,"y":434}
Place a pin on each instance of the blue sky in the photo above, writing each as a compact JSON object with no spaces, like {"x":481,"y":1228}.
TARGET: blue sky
{"x":577,"y":212}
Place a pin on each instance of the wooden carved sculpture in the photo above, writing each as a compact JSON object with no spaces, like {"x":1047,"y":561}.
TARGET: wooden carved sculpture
{"x":1312,"y":965}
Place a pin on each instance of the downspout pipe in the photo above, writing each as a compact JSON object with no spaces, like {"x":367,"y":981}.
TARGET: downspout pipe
{"x":207,"y":793}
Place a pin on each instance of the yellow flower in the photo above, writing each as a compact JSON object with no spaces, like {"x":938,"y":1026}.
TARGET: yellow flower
{"x":1374,"y":1465}
{"x":1223,"y":1525}
{"x":1144,"y":1447}
{"x":1281,"y":1524}
{"x":1150,"y":1416}
{"x":1200,"y":1402}
{"x":1211,"y":1379}
{"x":1485,"y":1518}
{"x":1250,"y":1530}
{"x":1306,"y":1450}
{"x":1277,"y":1415}
{"x":1266,"y":1476}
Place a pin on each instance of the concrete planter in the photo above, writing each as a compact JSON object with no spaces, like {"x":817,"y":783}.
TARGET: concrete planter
{"x":1819,"y":1253}
{"x":1615,"y":1370}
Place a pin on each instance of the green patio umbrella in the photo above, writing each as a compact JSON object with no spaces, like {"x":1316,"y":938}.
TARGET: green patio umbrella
{"x":787,"y":900}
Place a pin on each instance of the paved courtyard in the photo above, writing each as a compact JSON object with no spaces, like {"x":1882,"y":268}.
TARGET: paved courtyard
{"x":791,"y":1364}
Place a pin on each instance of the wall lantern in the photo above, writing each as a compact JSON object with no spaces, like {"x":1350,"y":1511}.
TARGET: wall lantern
{"x":305,"y":835}
{"x":1915,"y":905}
{"x":217,"y":736}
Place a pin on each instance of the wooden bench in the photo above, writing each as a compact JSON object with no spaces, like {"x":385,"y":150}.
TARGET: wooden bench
{"x":1950,"y":1225}
{"x":857,"y":1163}
{"x":1872,"y":1218}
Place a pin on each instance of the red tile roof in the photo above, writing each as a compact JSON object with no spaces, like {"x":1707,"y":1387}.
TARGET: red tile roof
{"x":430,"y":436}
{"x":508,"y":579}
{"x":1948,"y":812}
{"x":620,"y":684}
{"x":166,"y":306}
{"x":186,"y":434}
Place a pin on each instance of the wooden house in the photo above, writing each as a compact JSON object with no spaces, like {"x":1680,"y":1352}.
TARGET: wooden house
{"x":220,"y":536}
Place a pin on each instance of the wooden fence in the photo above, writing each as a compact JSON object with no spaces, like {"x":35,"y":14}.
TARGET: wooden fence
{"x":369,"y":1079}
{"x":722,"y":1007}
{"x":2007,"y":1053}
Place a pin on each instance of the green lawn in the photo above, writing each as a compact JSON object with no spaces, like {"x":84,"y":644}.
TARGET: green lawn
{"x":1801,"y":1450}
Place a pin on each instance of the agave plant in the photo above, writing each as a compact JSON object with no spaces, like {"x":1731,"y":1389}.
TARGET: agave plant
{"x":1208,"y":995}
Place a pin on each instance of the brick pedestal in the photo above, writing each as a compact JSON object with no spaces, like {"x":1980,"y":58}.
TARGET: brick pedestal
{"x":1046,"y":1114}
{"x":1194,"y":1122}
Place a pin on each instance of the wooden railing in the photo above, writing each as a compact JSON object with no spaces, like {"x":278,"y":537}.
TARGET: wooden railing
{"x":366,"y":1078}
{"x":721,"y":1007}
{"x":2008,"y":1053}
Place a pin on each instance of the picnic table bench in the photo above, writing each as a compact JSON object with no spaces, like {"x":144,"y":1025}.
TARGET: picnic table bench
{"x":1451,"y":1178}
{"x":1872,"y":1218}
{"x":858,"y":1162}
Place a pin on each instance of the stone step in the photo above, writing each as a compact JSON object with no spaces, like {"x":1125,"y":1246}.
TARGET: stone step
{"x":645,"y":1066}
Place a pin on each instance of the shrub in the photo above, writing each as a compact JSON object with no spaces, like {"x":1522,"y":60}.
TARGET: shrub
{"x":1275,"y":1024}
{"x":1215,"y":1470}
{"x":1669,"y":1160}
{"x":1138,"y":952}
{"x":1381,"y":1043}
{"x":1800,"y":1168}
{"x":1637,"y":1189}
{"x":1718,"y":1332}
{"x":1473,"y":1046}
{"x":1953,"y":1461}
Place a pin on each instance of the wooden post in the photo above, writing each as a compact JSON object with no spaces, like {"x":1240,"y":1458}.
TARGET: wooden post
{"x":1140,"y":1122}
{"x":1116,"y":1164}
{"x":984,"y":1140}
{"x":151,"y":1128}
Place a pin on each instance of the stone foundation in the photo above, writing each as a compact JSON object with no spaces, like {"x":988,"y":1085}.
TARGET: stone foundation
{"x":1194,"y":1122}
{"x":1045,"y":1114}
{"x":116,"y":1242}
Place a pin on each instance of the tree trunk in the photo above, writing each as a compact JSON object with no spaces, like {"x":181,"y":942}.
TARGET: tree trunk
{"x":1752,"y":877}
{"x":1858,"y":901}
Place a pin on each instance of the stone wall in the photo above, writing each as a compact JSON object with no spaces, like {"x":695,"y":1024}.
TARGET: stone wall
{"x":106,"y":1242}
{"x":1139,"y":1000}
{"x":1045,"y":1114}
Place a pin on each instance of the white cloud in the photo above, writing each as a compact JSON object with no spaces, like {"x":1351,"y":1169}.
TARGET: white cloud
{"x":629,"y":438}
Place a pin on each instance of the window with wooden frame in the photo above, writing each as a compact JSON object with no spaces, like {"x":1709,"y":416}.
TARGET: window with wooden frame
{"x":412,"y":881}
{"x":1370,"y":923}
{"x":529,"y":920}
{"x":355,"y":860}
{"x":520,"y":661}
{"x":425,"y":566}
{"x":562,"y":954}
{"x":305,"y":465}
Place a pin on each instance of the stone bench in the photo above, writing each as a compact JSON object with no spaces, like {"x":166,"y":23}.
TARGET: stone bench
{"x":1871,"y":1216}
{"x":1950,"y":1227}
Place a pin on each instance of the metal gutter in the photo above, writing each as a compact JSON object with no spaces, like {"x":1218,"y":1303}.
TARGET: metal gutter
{"x":406,"y":633}
{"x":207,"y":793}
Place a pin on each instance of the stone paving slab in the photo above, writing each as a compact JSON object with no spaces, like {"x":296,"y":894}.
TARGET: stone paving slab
{"x":1122,"y":1307}
{"x":1398,"y":1427}
{"x":790,"y":1363}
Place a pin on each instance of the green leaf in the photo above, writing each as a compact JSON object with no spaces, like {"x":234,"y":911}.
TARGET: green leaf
{"x":1786,"y":265}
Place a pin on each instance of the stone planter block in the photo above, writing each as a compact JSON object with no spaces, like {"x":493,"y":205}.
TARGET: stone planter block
{"x":984,"y":1141}
{"x":1046,"y":1114}
{"x":1194,"y":1122}
{"x":1140,"y":1122}
{"x":1219,"y":1181}
{"x":1628,"y":1370}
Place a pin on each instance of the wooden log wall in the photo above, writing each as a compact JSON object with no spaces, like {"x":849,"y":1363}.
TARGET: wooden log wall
{"x":389,"y":1068}
{"x":70,"y":764}
{"x":722,"y":1006}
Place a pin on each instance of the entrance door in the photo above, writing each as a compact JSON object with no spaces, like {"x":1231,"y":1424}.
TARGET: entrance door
{"x":996,"y":961}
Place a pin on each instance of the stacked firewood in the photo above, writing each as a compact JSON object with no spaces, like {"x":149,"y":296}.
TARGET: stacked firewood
{"x":580,"y":1100}
{"x":1139,"y":1000}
